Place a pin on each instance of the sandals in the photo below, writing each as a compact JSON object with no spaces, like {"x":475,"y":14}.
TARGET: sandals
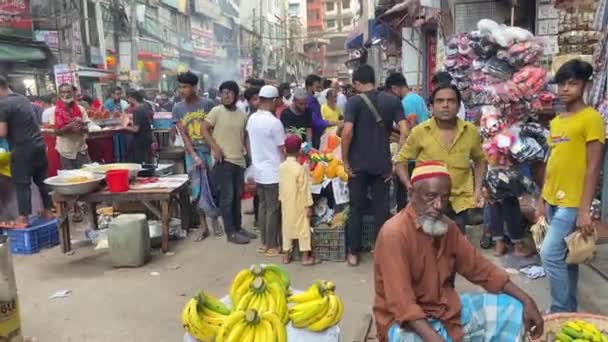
{"x":311,"y":262}
{"x":272,"y":252}
{"x":261,"y":250}
{"x":287,"y":257}
{"x":352,"y":260}
{"x":203,"y":236}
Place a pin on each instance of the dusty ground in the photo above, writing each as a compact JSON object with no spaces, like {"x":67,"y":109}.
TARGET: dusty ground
{"x":131,"y":305}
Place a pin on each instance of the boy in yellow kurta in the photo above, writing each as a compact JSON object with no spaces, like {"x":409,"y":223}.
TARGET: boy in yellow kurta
{"x":296,"y":202}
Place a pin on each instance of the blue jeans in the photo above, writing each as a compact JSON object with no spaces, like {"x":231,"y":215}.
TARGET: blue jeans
{"x":563,"y":278}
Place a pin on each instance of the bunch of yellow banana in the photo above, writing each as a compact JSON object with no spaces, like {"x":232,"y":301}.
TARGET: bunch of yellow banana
{"x":264,"y":296}
{"x":252,"y":326}
{"x":203,"y":316}
{"x":316,"y":309}
{"x":579,"y":331}
{"x":270,"y":272}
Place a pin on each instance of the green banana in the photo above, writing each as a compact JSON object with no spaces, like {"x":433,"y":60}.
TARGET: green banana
{"x":561,"y":337}
{"x":212,"y":303}
{"x":280,"y":272}
{"x":571,"y":332}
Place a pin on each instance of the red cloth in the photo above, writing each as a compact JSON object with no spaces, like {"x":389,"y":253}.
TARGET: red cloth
{"x":101,"y":150}
{"x":51,"y":154}
{"x":65,"y":113}
{"x":280,"y":108}
{"x":96,"y":104}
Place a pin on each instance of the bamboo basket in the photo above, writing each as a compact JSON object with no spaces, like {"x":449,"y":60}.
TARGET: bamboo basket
{"x":553,"y":323}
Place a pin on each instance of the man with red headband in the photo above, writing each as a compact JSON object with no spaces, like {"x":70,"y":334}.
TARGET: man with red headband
{"x":417,"y":251}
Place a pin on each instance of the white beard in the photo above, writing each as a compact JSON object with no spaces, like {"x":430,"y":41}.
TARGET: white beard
{"x":433,"y":227}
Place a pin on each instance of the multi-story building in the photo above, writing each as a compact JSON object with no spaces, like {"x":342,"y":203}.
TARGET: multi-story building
{"x":215,"y":40}
{"x":339,"y":21}
{"x":271,"y":35}
{"x":315,"y":43}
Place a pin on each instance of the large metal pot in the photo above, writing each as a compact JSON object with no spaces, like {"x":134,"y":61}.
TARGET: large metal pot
{"x":60,"y":185}
{"x":133,"y":168}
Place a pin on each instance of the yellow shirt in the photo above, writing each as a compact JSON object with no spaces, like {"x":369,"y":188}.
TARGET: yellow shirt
{"x":330,"y":115}
{"x":295,"y":197}
{"x":567,"y":164}
{"x":424,"y":144}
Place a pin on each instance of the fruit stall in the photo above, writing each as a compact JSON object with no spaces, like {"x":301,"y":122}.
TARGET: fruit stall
{"x":262,"y":305}
{"x":329,"y":186}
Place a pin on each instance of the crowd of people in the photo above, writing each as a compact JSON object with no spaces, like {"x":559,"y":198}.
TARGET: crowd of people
{"x":249,"y":138}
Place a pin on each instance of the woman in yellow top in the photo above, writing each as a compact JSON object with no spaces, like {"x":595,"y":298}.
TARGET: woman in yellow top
{"x":331,"y":112}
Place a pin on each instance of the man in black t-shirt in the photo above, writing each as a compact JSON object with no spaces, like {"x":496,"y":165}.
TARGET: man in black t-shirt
{"x":297,"y":118}
{"x":141,"y":148}
{"x":366,"y":152}
{"x":28,"y":151}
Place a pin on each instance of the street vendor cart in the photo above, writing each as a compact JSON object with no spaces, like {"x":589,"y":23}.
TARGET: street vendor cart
{"x":157,"y":197}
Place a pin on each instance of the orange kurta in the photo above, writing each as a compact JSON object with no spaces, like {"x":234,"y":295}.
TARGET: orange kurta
{"x":411,"y":274}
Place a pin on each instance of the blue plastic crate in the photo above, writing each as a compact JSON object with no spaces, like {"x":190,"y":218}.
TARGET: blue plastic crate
{"x":41,"y":234}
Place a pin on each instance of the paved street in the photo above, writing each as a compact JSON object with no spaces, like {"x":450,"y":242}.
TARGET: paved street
{"x":130,"y":305}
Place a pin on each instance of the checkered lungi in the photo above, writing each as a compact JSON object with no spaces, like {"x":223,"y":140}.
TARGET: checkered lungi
{"x":485,"y":317}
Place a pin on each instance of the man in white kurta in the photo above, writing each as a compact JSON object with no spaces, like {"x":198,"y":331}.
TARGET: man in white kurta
{"x":296,"y":203}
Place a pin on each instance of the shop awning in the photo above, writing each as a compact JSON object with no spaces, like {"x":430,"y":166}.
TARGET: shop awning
{"x":26,"y":51}
{"x":169,"y":64}
{"x":93,"y":72}
{"x":354,"y":39}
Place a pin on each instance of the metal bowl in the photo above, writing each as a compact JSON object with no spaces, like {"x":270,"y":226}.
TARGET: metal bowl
{"x":133,"y":169}
{"x":81,"y":188}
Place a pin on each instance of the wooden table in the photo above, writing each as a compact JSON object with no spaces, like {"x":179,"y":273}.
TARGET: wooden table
{"x":179,"y":191}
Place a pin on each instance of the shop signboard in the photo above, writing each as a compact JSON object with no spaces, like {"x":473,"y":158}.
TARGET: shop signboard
{"x":202,"y":41}
{"x":207,"y":8}
{"x":66,"y":73}
{"x":180,"y":5}
{"x":51,"y":38}
{"x":246,"y":68}
{"x":15,"y":18}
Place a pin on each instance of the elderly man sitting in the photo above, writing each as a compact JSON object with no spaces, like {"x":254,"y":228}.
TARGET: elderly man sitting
{"x":416,"y":252}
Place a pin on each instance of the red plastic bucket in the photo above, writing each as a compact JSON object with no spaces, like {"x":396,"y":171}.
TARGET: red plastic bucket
{"x":118,"y":180}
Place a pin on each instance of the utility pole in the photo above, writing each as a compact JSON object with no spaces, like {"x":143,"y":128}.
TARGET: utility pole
{"x":58,"y":12}
{"x":134,"y":36}
{"x":84,"y":30}
{"x":285,"y":38}
{"x":116,"y":35}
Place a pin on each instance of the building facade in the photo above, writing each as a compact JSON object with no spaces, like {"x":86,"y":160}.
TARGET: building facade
{"x":338,"y":20}
{"x":315,"y":44}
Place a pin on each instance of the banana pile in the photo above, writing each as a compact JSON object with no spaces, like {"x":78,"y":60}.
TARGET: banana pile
{"x":252,"y":326}
{"x":316,"y":309}
{"x":259,"y":297}
{"x":264,"y":296}
{"x":271,"y":273}
{"x":203,"y":316}
{"x":579,"y":331}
